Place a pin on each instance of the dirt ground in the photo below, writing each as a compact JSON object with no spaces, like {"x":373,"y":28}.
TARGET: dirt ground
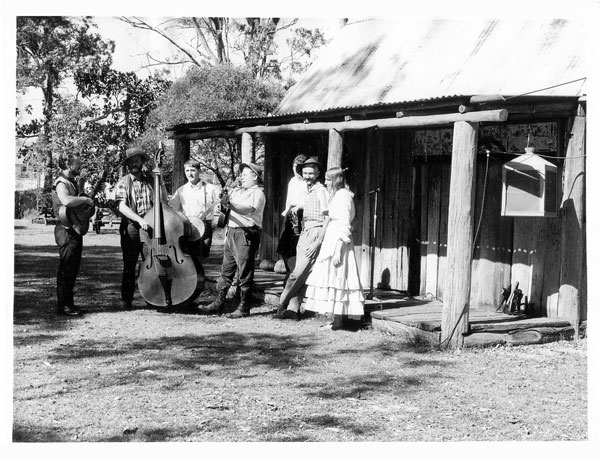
{"x":143,"y":375}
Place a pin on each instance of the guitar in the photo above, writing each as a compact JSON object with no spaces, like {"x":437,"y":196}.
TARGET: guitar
{"x":78,"y":218}
{"x":198,"y":222}
{"x":225,"y":209}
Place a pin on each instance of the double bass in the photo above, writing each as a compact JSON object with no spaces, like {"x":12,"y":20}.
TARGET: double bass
{"x":169,"y":276}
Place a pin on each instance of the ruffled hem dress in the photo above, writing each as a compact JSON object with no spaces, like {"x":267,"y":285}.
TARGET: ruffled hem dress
{"x":333,"y":289}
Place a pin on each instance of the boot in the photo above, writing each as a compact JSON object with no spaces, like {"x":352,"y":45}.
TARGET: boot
{"x":243,"y":310}
{"x":218,"y":305}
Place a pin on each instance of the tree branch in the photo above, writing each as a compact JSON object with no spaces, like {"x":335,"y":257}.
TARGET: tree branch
{"x":143,"y":25}
{"x":203,"y":41}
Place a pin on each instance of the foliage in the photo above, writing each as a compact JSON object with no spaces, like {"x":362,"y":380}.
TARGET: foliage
{"x":302,"y":46}
{"x":49,"y":49}
{"x":122,"y":100}
{"x":213,"y":93}
{"x":52,"y":48}
{"x":100,"y":122}
{"x":222,"y":40}
{"x":26,"y":204}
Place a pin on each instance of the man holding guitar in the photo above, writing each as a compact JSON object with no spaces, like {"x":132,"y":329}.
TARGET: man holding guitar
{"x":198,"y":201}
{"x":134,"y":194}
{"x":65,"y":195}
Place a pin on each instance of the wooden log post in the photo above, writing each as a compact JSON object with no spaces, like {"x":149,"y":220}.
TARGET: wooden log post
{"x":335,"y":149}
{"x":247,"y":147}
{"x":181,"y":154}
{"x":267,"y":247}
{"x":455,"y":312}
{"x":572,"y":294}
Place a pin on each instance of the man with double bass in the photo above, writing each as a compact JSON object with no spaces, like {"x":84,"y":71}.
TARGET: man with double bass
{"x":134,"y":195}
{"x":246,"y":204}
{"x":65,"y":193}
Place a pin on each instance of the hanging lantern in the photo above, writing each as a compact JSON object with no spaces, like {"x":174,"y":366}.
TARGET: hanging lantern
{"x":529,"y":187}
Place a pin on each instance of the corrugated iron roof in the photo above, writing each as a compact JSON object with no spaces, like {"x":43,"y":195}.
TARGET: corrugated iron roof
{"x":402,"y":60}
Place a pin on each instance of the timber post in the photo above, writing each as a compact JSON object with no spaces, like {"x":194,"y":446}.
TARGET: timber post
{"x":335,"y":149}
{"x":181,"y":154}
{"x":572,"y":294}
{"x":267,"y":247}
{"x":247,"y":147}
{"x":455,"y":313}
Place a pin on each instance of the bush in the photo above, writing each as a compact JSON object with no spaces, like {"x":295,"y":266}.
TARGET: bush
{"x":25,"y":203}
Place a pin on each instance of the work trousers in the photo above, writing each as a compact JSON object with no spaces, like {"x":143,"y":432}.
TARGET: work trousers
{"x":241,"y":246}
{"x":70,"y":246}
{"x":131,"y":247}
{"x":295,"y":287}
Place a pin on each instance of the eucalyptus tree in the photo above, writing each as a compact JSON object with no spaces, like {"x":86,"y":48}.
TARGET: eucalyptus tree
{"x":49,"y":50}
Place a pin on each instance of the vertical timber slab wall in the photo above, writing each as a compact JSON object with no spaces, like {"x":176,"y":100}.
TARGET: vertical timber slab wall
{"x":442,"y":239}
{"x":433,"y":228}
{"x":388,"y":166}
{"x":492,"y":254}
{"x":536,"y":251}
{"x":364,"y":210}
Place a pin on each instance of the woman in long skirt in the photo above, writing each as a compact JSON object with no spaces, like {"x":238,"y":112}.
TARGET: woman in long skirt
{"x":333,"y":286}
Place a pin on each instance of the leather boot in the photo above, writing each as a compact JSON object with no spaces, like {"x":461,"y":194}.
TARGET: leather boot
{"x":217,"y":306}
{"x":243,"y":310}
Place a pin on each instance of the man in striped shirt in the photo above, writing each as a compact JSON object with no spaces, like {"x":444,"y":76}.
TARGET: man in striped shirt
{"x":314,"y":223}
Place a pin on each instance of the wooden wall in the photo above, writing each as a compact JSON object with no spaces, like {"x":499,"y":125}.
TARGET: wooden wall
{"x":507,"y":250}
{"x":413,"y":175}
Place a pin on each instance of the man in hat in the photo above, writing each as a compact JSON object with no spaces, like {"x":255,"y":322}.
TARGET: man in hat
{"x":244,"y":227}
{"x":134,"y":195}
{"x":314,"y":223}
{"x":70,"y":243}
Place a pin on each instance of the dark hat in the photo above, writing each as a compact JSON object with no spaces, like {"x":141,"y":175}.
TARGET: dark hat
{"x":131,"y":152}
{"x":255,"y":168}
{"x":311,"y":161}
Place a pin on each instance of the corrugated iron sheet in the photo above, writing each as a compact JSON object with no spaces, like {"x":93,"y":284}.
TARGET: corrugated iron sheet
{"x":401,"y":60}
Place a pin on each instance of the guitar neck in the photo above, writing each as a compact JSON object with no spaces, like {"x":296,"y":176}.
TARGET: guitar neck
{"x":209,"y":210}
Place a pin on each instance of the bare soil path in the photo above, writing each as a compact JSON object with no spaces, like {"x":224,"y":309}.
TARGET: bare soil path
{"x":143,"y":375}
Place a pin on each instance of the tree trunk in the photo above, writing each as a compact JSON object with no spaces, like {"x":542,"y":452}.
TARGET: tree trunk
{"x":455,"y":313}
{"x":45,"y":138}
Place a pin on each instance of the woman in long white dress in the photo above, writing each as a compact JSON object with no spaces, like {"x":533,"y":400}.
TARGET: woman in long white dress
{"x":334,"y":287}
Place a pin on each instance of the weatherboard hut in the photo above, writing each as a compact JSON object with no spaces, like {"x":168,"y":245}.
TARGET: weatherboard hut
{"x":432,"y":117}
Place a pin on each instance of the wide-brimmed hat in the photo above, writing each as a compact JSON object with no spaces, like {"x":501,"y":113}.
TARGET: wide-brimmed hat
{"x":135,"y":151}
{"x":311,"y":161}
{"x":255,"y":168}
